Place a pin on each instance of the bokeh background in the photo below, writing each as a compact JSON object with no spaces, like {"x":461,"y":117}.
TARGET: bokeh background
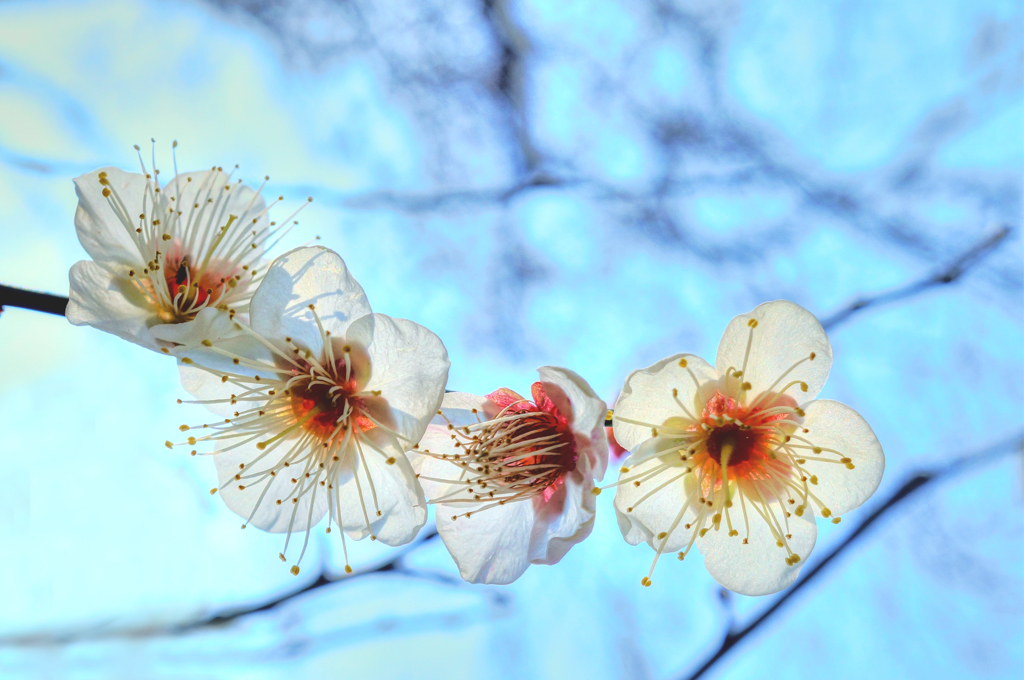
{"x":588,"y":184}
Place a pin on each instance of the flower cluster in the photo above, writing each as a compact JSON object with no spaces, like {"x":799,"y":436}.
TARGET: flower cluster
{"x":324,"y":408}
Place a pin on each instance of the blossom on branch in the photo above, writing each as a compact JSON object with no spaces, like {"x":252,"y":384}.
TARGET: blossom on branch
{"x":322,"y":399}
{"x":512,"y":477}
{"x":162,"y":256}
{"x":735,"y":458}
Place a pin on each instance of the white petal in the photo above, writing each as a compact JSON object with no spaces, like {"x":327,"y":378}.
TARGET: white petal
{"x":270,"y":516}
{"x":586,"y":414}
{"x":409,"y":367}
{"x":642,"y":519}
{"x":438,"y":441}
{"x":109,"y":302}
{"x":759,"y":567}
{"x":102,"y":234}
{"x":209,"y":324}
{"x":399,"y":497}
{"x":297,"y":279}
{"x":207,"y":386}
{"x":492,"y":546}
{"x":563,"y":521}
{"x":458,"y":408}
{"x":834,"y":425}
{"x":786,"y":333}
{"x":196,"y":188}
{"x":647,"y":397}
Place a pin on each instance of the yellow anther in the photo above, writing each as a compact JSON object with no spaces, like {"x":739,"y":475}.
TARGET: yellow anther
{"x":682,"y":363}
{"x":662,"y":535}
{"x":752,"y":323}
{"x":191,"y":441}
{"x":295,"y":570}
{"x":207,"y":343}
{"x":390,"y":461}
{"x":183,"y":428}
{"x":106,"y":192}
{"x":213,"y":491}
{"x":348,"y":569}
{"x":837,"y":520}
{"x":645,"y":582}
{"x":596,"y":491}
{"x":169,"y":445}
{"x":825,"y":512}
{"x":746,"y":386}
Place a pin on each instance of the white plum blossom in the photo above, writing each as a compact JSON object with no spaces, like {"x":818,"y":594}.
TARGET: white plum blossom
{"x":321,"y":400}
{"x":512,"y":478}
{"x":162,"y":255}
{"x":738,"y":458}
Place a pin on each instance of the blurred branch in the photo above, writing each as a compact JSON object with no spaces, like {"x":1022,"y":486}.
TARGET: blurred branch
{"x":393,"y":564}
{"x":951,"y":273}
{"x":56,"y":304}
{"x":915,"y":483}
{"x":27,"y":299}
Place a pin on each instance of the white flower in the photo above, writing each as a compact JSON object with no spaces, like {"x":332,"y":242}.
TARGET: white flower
{"x":726,"y":457}
{"x":163,"y":255}
{"x":512,"y":477}
{"x":322,"y":399}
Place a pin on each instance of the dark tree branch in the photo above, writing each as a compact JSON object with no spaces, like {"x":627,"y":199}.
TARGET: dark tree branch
{"x":949,"y":274}
{"x":916,"y":482}
{"x":27,"y":299}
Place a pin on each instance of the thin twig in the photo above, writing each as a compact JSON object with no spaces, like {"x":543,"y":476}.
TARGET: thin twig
{"x":949,"y":274}
{"x":27,"y":299}
{"x":913,"y":484}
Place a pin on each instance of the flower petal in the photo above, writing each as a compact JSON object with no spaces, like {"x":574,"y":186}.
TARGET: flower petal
{"x":759,"y":567}
{"x":435,"y":475}
{"x":104,"y":236}
{"x":265,"y":491}
{"x":208,"y":386}
{"x":647,"y":397}
{"x":646,"y":510}
{"x":109,"y":302}
{"x":785,"y":334}
{"x":586,"y":413}
{"x":833,"y":425}
{"x":209,"y":324}
{"x":409,"y":367}
{"x":492,"y":546}
{"x":299,"y":278}
{"x":458,"y":408}
{"x":368,"y":485}
{"x":564,"y":520}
